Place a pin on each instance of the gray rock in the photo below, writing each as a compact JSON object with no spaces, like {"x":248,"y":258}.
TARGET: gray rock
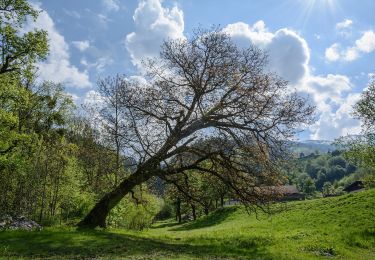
{"x":18,"y":223}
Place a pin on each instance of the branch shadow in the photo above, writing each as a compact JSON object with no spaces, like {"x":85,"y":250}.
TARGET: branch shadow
{"x":212,"y":219}
{"x":165,"y":225}
{"x":92,"y":244}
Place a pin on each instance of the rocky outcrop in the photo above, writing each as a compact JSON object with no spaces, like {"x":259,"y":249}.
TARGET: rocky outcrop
{"x":18,"y":223}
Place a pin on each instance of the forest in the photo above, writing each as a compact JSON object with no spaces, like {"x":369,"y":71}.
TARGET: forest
{"x":208,"y":127}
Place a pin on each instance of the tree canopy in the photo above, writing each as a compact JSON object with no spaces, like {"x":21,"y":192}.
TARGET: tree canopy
{"x":210,"y":106}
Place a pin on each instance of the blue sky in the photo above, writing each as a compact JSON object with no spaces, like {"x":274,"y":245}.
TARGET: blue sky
{"x":324,"y":48}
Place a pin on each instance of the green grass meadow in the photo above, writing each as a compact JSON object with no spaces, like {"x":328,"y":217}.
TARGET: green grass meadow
{"x":330,"y":228}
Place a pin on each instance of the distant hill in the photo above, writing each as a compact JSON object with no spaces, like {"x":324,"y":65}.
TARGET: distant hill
{"x":312,"y":146}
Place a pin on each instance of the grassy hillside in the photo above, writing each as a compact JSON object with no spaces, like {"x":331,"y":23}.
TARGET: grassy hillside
{"x":336,"y":228}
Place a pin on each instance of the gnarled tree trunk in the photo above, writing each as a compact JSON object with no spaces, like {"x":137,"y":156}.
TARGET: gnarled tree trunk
{"x":178,"y":210}
{"x":193,"y":212}
{"x":98,"y":215}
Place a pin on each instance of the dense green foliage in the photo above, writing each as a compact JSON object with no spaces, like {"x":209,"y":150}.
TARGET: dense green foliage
{"x":327,"y":173}
{"x":53,"y":165}
{"x":338,"y":227}
{"x":361,"y":149}
{"x":193,"y":194}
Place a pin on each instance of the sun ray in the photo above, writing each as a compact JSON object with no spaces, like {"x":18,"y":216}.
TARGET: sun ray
{"x":326,"y":9}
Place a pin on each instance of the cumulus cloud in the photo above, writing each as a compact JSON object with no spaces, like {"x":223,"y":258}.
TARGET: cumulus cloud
{"x":333,"y":52}
{"x":334,"y":100}
{"x":326,"y":90}
{"x":99,"y":65}
{"x":284,"y":47}
{"x":243,"y":34}
{"x":289,"y":57}
{"x":365,"y":44}
{"x":344,"y":24}
{"x":111,"y":5}
{"x":344,"y":28}
{"x":339,"y":122}
{"x":57,"y":67}
{"x":287,"y":47}
{"x":153,"y":24}
{"x":81,"y":45}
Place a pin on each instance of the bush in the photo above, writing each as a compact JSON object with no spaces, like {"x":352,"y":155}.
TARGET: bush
{"x":130,"y":215}
{"x":165,"y":212}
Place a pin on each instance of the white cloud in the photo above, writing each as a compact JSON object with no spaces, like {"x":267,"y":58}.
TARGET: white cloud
{"x":333,"y":53}
{"x":284,"y":47}
{"x":344,"y":24}
{"x":111,"y":5}
{"x":344,"y":28}
{"x":326,"y":90}
{"x":57,"y":67}
{"x":334,"y":106}
{"x":332,"y":124}
{"x":365,"y":44}
{"x":153,"y":24}
{"x":351,"y":54}
{"x":93,"y":97}
{"x":243,"y":34}
{"x":289,"y":55}
{"x":99,"y":65}
{"x":81,"y":45}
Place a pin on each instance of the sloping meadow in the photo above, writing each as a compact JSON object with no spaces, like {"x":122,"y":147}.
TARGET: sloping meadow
{"x":338,"y":228}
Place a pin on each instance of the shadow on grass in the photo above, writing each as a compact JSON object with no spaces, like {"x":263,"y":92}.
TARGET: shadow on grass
{"x":213,"y":219}
{"x":91,"y":244}
{"x":164,"y":225}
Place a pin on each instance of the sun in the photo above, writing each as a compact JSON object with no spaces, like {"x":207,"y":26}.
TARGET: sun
{"x":307,"y":8}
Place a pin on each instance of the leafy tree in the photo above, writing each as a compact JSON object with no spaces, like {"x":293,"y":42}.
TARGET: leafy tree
{"x":109,"y":114}
{"x":365,"y":108}
{"x":19,"y":50}
{"x":206,"y":88}
{"x":198,"y":190}
{"x":336,"y":152}
{"x":327,"y":189}
{"x":97,"y":161}
{"x":312,"y":169}
{"x":34,"y":170}
{"x":337,"y":160}
{"x":34,"y":155}
{"x":309,"y":186}
{"x":360,"y":151}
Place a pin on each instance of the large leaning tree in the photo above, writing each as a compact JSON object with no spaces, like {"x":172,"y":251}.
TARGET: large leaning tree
{"x":209,"y":106}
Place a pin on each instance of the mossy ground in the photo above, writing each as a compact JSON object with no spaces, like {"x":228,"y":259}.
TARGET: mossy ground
{"x":334,"y":228}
